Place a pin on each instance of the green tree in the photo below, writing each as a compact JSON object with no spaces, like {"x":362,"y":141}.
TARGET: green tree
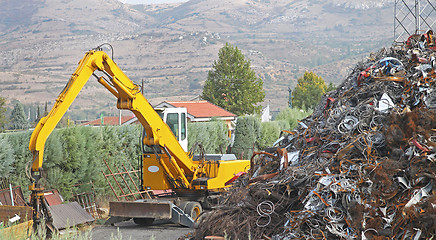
{"x":247,"y":131}
{"x":232,"y":84}
{"x":2,"y":113}
{"x":308,"y":91}
{"x":38,"y":115}
{"x":18,"y":117}
{"x":45,"y":110}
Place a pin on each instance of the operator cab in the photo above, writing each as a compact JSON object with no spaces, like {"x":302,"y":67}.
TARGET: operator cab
{"x":176,"y":119}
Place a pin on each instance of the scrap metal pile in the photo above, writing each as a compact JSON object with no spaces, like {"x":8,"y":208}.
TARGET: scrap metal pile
{"x":362,"y":166}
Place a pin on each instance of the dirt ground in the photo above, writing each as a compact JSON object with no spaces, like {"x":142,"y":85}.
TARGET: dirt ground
{"x":130,"y":230}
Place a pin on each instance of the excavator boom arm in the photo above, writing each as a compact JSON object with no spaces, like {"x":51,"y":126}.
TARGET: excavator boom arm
{"x":63,"y":102}
{"x":129,"y":97}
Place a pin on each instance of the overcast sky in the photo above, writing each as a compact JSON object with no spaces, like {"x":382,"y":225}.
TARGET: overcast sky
{"x":150,"y":1}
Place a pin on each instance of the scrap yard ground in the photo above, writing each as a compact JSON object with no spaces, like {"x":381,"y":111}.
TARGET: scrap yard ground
{"x":130,"y":230}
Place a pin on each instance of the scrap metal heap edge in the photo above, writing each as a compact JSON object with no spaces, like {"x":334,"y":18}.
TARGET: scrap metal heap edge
{"x":362,"y":166}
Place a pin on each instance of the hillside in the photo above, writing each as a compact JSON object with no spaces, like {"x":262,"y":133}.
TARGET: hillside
{"x":172,"y":46}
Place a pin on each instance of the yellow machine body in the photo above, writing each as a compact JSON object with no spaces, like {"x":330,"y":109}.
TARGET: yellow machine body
{"x":168,"y":165}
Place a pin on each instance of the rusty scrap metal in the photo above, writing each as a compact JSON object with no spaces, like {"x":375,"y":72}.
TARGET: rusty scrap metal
{"x":124,"y":177}
{"x":68,"y":215}
{"x":88,"y":199}
{"x":263,"y":177}
{"x":53,"y":197}
{"x":17,"y":198}
{"x":362,"y":166}
{"x":4,"y":183}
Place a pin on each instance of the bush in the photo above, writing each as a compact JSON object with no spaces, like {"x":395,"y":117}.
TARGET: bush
{"x":6,"y":157}
{"x":269,"y":133}
{"x":19,"y":142}
{"x":212,"y":135}
{"x":283,"y":124}
{"x":292,"y":115}
{"x":74,"y":155}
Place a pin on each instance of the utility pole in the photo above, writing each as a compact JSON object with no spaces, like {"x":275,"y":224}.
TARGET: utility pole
{"x":413,"y":17}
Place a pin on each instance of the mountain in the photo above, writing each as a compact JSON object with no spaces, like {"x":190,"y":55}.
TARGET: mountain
{"x":148,"y":2}
{"x":172,"y":46}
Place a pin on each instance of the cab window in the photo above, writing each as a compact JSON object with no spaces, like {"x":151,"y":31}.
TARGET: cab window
{"x":173,"y":123}
{"x":161,"y":114}
{"x":183,"y":126}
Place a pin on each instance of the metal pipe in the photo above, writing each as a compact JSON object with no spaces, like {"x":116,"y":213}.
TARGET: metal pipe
{"x":125,"y":182}
{"x":131,"y":179}
{"x":113,"y":175}
{"x":12,"y":194}
{"x":417,"y":17}
{"x":113,"y":190}
{"x":119,"y":119}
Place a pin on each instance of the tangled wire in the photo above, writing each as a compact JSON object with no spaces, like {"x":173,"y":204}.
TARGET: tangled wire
{"x":362,"y":166}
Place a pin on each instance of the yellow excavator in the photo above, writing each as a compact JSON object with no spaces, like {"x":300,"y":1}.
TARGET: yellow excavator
{"x":166,"y":165}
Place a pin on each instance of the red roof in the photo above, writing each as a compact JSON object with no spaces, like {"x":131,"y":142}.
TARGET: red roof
{"x":112,"y":121}
{"x":202,"y":109}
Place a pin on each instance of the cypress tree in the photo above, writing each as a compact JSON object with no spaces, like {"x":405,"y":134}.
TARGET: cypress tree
{"x":18,"y":117}
{"x":2,"y":113}
{"x":247,"y":132}
{"x":45,"y":109}
{"x":38,"y":114}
